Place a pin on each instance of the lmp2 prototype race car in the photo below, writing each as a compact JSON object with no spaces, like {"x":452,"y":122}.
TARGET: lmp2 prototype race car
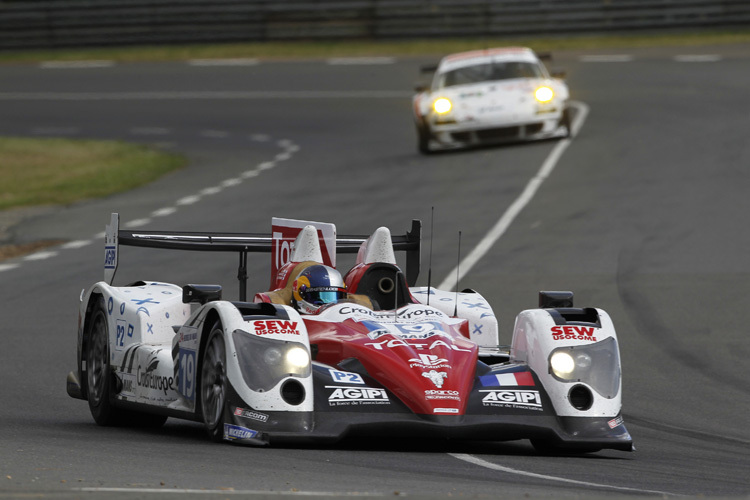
{"x":490,"y":96}
{"x":374,"y":358}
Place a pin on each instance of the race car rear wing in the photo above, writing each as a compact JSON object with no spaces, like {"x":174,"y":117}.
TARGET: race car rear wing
{"x":242,"y":244}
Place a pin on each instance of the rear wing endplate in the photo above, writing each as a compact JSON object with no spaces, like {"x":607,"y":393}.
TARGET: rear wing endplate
{"x":242,"y":244}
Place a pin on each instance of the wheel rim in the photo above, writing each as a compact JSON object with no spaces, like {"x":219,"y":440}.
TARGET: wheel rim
{"x":213,"y":376}
{"x":97,"y":360}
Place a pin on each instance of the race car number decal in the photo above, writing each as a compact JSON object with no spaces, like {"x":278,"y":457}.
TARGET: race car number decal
{"x":186,"y":374}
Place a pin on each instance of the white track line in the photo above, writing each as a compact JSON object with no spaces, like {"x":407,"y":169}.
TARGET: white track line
{"x":235,"y":492}
{"x":198,"y":95}
{"x":341,"y":61}
{"x":698,"y":58}
{"x":75,"y":64}
{"x":519,"y":204}
{"x":489,"y":465}
{"x":224,"y":62}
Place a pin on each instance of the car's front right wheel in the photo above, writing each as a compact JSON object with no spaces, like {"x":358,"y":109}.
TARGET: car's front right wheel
{"x":213,"y":383}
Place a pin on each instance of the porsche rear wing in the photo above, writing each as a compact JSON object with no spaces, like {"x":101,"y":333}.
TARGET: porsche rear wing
{"x":242,"y":244}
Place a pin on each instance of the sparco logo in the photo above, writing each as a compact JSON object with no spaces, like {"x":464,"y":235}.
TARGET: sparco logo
{"x":525,"y":399}
{"x":442,"y":394}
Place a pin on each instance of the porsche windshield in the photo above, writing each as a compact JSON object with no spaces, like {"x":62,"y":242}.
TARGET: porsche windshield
{"x":488,"y":72}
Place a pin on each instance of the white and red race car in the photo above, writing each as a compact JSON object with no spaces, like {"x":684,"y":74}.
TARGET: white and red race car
{"x":389,"y":360}
{"x":490,"y":96}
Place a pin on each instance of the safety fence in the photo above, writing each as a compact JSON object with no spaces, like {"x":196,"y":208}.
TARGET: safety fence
{"x":80,"y":23}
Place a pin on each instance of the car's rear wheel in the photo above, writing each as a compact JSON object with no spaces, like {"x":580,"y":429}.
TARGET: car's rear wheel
{"x":100,"y":379}
{"x":213,"y":383}
{"x":98,"y":373}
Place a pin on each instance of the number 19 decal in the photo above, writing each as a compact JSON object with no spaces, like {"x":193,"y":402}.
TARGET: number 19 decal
{"x":186,"y":374}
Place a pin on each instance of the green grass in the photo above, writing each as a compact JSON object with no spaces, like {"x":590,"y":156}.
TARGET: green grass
{"x":63,"y":171}
{"x":342,"y":48}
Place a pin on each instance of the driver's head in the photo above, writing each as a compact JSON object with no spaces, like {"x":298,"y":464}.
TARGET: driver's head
{"x":317,"y":286}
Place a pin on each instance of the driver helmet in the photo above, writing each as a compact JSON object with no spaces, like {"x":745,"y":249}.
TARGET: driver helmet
{"x":317,"y":286}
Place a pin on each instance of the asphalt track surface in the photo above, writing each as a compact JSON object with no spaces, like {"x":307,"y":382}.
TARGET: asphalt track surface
{"x":643,"y":213}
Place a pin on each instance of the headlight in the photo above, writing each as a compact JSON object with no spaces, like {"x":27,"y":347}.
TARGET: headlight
{"x":298,"y":357}
{"x":544,"y":94}
{"x":597,"y":365}
{"x":442,"y":105}
{"x":265,"y":362}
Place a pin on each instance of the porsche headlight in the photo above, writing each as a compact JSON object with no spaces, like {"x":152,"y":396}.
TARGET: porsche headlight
{"x":544,"y":94}
{"x":265,"y":362}
{"x":442,"y":105}
{"x":597,"y":365}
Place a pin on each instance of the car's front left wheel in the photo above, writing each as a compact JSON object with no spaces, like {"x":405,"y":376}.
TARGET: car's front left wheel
{"x":213,"y":383}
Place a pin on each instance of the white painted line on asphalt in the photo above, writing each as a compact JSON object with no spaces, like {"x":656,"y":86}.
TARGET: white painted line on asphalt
{"x":205,"y":95}
{"x":75,"y":64}
{"x":250,"y":174}
{"x":188,"y":200}
{"x":137,"y":223}
{"x":260,"y":138}
{"x":343,"y":61}
{"x":697,"y":58}
{"x":489,"y":465}
{"x":150,"y":131}
{"x":163,"y":212}
{"x":40,"y":256}
{"x":72,"y":245}
{"x":517,"y":206}
{"x":283,"y":156}
{"x":260,"y":493}
{"x":210,"y":191}
{"x":231,"y":182}
{"x":224,"y":62}
{"x":266,"y":165}
{"x":8,"y":267}
{"x":611,"y":58}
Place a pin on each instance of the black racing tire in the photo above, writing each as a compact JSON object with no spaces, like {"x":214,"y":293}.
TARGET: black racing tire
{"x":98,"y":372}
{"x":213,"y":383}
{"x":565,"y":120}
{"x":100,"y":379}
{"x":423,"y":140}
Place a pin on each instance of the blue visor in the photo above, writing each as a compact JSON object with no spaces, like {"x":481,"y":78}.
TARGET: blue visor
{"x":323,"y":295}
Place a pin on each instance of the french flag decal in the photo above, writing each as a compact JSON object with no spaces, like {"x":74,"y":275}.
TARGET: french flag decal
{"x":507,"y":379}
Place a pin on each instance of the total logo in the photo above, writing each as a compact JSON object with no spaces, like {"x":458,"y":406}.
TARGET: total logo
{"x":379,"y":346}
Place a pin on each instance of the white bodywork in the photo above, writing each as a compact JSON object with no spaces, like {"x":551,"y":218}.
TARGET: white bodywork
{"x":492,"y":110}
{"x":154,"y":343}
{"x":536,"y":336}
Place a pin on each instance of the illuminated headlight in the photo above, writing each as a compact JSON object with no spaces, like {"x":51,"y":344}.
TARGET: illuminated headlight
{"x":298,"y":357}
{"x":597,"y":365}
{"x":562,"y":364}
{"x":544,"y":94}
{"x":265,"y":362}
{"x":442,"y":105}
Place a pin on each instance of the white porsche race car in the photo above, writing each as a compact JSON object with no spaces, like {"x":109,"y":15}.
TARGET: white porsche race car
{"x":490,"y":96}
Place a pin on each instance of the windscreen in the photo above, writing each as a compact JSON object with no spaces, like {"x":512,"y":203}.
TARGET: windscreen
{"x":487,"y":72}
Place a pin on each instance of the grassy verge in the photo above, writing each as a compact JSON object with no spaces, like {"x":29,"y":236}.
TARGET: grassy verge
{"x":342,"y":48}
{"x":62,"y":171}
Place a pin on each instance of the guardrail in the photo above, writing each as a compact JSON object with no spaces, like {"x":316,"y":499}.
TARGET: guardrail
{"x":78,"y":23}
